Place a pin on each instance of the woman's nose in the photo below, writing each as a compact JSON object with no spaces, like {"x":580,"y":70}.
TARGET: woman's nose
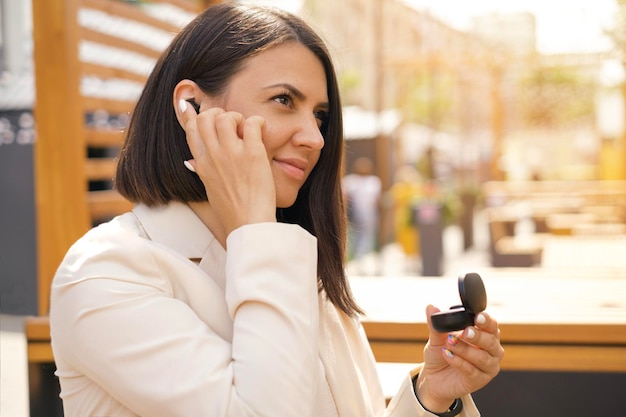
{"x":309,"y":134}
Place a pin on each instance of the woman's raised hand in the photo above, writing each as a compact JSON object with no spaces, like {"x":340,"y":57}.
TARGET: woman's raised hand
{"x":230,"y":159}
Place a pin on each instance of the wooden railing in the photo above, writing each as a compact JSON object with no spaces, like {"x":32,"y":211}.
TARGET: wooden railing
{"x":550,"y":319}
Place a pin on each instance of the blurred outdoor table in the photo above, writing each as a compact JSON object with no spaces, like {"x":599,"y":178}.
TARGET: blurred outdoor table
{"x":599,"y":229}
{"x":564,"y":223}
{"x":552,"y":319}
{"x":585,"y":251}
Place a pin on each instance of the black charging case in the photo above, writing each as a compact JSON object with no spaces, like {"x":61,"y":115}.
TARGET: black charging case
{"x":474,"y":299}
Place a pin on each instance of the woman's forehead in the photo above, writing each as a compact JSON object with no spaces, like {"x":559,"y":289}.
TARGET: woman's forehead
{"x":291,"y":62}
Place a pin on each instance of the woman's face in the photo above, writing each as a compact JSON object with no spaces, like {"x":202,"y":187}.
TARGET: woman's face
{"x":286,"y":85}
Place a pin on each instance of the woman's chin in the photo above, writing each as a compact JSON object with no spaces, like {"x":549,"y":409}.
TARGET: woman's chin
{"x":284,"y":206}
{"x":285,"y":202}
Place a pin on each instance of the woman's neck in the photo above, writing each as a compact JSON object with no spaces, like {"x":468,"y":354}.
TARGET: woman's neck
{"x":205,"y":213}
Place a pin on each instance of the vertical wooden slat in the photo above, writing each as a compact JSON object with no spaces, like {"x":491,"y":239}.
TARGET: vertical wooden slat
{"x":60,"y":188}
{"x":205,"y":4}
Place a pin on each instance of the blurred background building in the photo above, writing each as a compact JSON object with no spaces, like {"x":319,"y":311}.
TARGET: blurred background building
{"x":485,"y":98}
{"x":463,"y":104}
{"x":455,"y":116}
{"x":483,"y":102}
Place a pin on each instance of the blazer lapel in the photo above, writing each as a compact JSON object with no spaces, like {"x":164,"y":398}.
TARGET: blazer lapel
{"x":345,"y":380}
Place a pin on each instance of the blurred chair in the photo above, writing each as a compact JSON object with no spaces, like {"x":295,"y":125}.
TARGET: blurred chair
{"x":508,"y":250}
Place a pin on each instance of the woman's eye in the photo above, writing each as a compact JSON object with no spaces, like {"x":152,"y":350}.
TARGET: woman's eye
{"x":322,"y":118}
{"x":283,"y":99}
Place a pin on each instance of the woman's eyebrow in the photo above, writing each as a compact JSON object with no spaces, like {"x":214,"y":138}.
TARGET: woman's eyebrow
{"x":293,"y":90}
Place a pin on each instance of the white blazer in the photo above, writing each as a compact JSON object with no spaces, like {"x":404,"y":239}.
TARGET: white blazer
{"x":150,"y":316}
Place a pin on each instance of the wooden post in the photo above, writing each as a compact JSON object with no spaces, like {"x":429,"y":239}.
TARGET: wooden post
{"x":206,"y":3}
{"x":623,"y":88}
{"x":60,"y":188}
{"x":496,"y":122}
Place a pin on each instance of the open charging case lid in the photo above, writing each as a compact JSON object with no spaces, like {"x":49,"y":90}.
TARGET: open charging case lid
{"x":472,"y":292}
{"x":474,"y":299}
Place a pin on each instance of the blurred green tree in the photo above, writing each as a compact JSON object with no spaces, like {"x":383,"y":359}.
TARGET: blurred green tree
{"x":557,"y":96}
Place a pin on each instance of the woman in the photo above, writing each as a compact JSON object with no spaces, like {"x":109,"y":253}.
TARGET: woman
{"x":223,"y":292}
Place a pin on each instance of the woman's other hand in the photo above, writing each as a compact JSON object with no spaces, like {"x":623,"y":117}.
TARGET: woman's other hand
{"x":458,"y":363}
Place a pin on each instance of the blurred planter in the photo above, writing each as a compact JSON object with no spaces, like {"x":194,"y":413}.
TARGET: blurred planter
{"x":466,"y":218}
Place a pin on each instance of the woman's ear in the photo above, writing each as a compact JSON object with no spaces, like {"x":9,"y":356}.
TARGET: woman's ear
{"x":189,"y":91}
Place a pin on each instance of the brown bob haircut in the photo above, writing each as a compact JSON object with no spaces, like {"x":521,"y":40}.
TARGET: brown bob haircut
{"x":209,"y":51}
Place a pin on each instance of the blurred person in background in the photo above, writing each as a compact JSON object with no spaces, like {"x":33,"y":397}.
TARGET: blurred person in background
{"x":404,"y":194}
{"x":362,"y":190}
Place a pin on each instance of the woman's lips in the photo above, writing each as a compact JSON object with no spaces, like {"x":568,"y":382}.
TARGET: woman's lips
{"x":295,"y":168}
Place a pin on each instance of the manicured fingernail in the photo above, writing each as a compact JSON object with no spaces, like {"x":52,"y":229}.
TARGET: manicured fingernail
{"x":481,"y":319}
{"x":470,"y":333}
{"x":447,"y":352}
{"x":452,"y":340}
{"x":182,"y":105}
{"x":189,"y":166}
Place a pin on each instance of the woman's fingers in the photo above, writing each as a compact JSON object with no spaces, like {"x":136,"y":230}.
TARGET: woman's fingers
{"x":230,"y":158}
{"x":227,"y":126}
{"x":479,"y":347}
{"x":190,"y":165}
{"x":214,"y":137}
{"x":463,"y":361}
{"x":486,"y":335}
{"x":188,"y":118}
{"x":485,"y":322}
{"x":435,"y":338}
{"x":253,"y":131}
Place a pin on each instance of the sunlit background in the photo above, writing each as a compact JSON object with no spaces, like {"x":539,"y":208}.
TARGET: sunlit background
{"x":488,"y":80}
{"x":497,"y":129}
{"x":562,"y":25}
{"x":512,"y":106}
{"x":460,"y":93}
